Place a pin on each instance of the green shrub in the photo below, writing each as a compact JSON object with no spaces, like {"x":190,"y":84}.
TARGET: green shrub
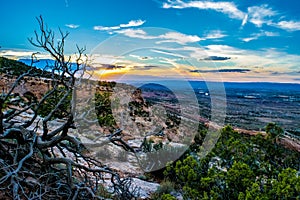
{"x":167,"y":197}
{"x":51,"y":102}
{"x":164,"y":190}
{"x":165,"y":187}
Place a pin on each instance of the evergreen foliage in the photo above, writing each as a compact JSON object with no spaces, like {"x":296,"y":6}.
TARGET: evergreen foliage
{"x":239,"y":167}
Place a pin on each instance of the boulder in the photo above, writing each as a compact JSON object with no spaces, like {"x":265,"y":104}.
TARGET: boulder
{"x":145,"y":188}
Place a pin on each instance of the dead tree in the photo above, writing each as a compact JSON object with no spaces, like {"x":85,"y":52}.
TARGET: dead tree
{"x":38,"y":161}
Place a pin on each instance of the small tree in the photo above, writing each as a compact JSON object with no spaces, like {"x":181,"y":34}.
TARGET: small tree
{"x":273,"y":130}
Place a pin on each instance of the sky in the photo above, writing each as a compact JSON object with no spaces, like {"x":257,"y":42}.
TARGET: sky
{"x":240,"y":41}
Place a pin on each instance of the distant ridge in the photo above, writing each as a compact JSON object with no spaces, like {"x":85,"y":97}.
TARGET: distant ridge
{"x":17,"y":68}
{"x":43,"y":64}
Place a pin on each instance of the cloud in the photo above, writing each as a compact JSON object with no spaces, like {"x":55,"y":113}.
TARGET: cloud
{"x":259,"y":15}
{"x":109,"y":67}
{"x":22,"y":54}
{"x":73,"y":26}
{"x":280,"y":73}
{"x":255,"y":36}
{"x":248,"y":39}
{"x":215,"y":34}
{"x":135,"y":33}
{"x":167,"y":53}
{"x":132,"y":23}
{"x":220,"y":50}
{"x":221,"y":71}
{"x":271,"y":34}
{"x":174,"y":37}
{"x":244,"y":22}
{"x":216,"y":58}
{"x":103,"y":28}
{"x":228,"y":8}
{"x":16,"y":54}
{"x":179,"y":38}
{"x":289,"y":25}
{"x":141,"y":57}
{"x":146,"y":67}
{"x":248,"y":65}
{"x":296,"y":79}
{"x":269,"y":58}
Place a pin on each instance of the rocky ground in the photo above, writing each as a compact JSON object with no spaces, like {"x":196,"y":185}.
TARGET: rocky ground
{"x":129,"y":164}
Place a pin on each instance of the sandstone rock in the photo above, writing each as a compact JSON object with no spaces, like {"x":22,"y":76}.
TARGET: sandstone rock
{"x":145,"y":188}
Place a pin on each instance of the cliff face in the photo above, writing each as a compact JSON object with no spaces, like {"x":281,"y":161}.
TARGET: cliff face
{"x":37,"y":82}
{"x":32,"y":85}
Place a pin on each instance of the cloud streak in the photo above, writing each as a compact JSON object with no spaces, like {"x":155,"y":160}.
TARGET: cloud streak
{"x":146,"y":67}
{"x":169,"y":37}
{"x":215,"y":34}
{"x":179,"y":38}
{"x":289,"y":25}
{"x":22,"y":54}
{"x":256,"y":36}
{"x":132,"y":23}
{"x":259,"y":15}
{"x":227,"y":8}
{"x":73,"y":26}
{"x":256,"y":15}
{"x":221,"y":71}
{"x":216,"y":58}
{"x":110,"y":67}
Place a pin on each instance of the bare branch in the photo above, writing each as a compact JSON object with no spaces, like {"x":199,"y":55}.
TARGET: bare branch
{"x":39,"y":161}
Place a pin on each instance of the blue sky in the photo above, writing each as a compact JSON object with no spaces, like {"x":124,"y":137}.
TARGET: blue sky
{"x":254,"y":40}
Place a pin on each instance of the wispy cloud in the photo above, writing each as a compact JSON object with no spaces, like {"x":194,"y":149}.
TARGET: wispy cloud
{"x":73,"y":26}
{"x":169,"y":37}
{"x":244,"y":22}
{"x":105,"y":28}
{"x":280,"y":73}
{"x":265,"y":58}
{"x":179,"y":38}
{"x":228,"y":8}
{"x":145,"y":67}
{"x":214,"y":34}
{"x":248,"y":39}
{"x":259,"y":15}
{"x":168,"y":53}
{"x":109,"y":67}
{"x":256,"y":36}
{"x":22,"y":54}
{"x":143,"y":58}
{"x":135,"y":33}
{"x":216,"y":58}
{"x":250,"y":65}
{"x":289,"y":25}
{"x":221,"y":71}
{"x":223,"y":50}
{"x":132,"y":23}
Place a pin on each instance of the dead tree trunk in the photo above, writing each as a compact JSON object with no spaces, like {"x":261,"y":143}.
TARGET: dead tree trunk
{"x":38,"y":161}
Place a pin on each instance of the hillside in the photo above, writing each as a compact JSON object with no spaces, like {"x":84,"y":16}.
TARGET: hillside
{"x":16,"y":68}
